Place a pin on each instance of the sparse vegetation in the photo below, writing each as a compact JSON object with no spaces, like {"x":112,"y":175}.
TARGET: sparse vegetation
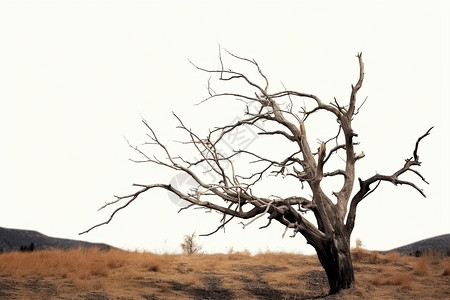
{"x":190,"y":245}
{"x":114,"y":274}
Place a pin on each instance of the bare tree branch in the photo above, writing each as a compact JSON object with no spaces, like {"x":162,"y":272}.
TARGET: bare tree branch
{"x":365,"y":189}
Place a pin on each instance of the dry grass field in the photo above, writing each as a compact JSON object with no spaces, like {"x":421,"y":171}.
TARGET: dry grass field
{"x":116,"y":274}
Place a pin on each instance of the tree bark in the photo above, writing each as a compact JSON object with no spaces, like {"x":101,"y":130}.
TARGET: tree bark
{"x":334,"y":255}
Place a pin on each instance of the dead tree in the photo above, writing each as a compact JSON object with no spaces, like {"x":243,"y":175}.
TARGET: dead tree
{"x":282,"y":115}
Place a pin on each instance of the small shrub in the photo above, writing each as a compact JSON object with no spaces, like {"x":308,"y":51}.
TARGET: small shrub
{"x":190,"y":246}
{"x":29,"y":248}
{"x":359,"y":244}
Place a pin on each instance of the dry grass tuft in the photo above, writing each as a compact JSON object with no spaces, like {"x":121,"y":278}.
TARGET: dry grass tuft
{"x":446,"y":271}
{"x":393,"y":256}
{"x":402,"y":279}
{"x":365,"y":256}
{"x":422,"y":266}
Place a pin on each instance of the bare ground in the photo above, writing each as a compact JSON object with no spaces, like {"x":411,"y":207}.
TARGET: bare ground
{"x":44,"y":287}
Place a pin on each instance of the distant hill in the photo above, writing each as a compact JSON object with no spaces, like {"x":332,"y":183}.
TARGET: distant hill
{"x":437,"y":244}
{"x":17,"y":239}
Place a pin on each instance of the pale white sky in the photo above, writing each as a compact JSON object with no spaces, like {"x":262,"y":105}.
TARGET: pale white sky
{"x":76,"y":77}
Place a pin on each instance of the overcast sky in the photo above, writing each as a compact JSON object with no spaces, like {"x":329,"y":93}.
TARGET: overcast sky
{"x":77,"y":76}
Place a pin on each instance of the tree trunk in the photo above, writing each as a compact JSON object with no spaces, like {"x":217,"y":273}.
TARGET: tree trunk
{"x":334,"y":255}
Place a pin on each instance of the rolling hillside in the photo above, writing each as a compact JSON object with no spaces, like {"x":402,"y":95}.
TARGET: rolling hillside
{"x":437,"y":244}
{"x":15,"y":239}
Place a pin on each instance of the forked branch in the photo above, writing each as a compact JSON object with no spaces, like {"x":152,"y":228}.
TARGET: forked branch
{"x":365,"y":189}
